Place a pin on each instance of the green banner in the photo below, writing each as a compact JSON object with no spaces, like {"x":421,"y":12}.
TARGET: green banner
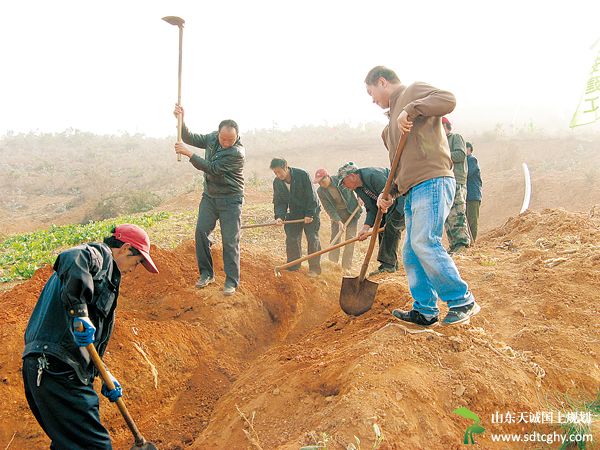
{"x":588,"y":110}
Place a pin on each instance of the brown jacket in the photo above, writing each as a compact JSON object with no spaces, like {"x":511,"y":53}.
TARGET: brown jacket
{"x":426,"y":154}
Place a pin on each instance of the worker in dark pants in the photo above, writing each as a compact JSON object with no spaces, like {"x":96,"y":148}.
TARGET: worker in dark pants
{"x":368,"y":183}
{"x":57,"y":372}
{"x":223,"y":167}
{"x":294,"y":197}
{"x":474,"y":188}
{"x":339,"y":204}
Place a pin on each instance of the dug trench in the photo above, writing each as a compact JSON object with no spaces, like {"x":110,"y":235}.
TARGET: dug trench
{"x":279,"y":366}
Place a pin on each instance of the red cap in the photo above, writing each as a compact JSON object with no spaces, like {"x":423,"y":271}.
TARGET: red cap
{"x":446,"y":121}
{"x":320,"y":174}
{"x":138,"y":238}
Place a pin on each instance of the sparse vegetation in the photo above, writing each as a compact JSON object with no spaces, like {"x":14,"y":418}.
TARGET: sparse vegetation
{"x":576,"y":429}
{"x":322,"y":441}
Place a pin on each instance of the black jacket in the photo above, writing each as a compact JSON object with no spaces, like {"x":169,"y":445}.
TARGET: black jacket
{"x":374,"y":179}
{"x":223,"y":167}
{"x":299,"y":201}
{"x":85,"y":283}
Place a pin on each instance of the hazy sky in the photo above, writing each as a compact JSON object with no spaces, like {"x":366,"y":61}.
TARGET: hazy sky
{"x":111,"y":66}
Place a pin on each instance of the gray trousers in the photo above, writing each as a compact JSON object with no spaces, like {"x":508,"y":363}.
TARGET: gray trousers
{"x":351,"y":229}
{"x":228,"y":211}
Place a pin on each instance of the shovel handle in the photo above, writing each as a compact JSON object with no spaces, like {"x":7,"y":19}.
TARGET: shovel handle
{"x":339,"y":234}
{"x":386,"y":191}
{"x":320,"y":252}
{"x":139,"y":439}
{"x":270,"y":224}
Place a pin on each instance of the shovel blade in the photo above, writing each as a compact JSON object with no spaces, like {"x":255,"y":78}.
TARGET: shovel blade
{"x":357,"y":297}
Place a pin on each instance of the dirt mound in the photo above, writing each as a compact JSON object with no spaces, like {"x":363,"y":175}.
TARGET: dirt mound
{"x":194,"y":363}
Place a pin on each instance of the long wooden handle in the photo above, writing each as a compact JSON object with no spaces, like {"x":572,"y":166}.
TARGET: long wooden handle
{"x":270,"y":224}
{"x":179,"y":118}
{"x":139,"y":439}
{"x":320,"y":252}
{"x":386,"y":191}
{"x":339,"y":234}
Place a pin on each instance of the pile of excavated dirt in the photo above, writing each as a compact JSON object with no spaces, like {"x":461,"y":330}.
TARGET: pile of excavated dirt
{"x":278,"y":365}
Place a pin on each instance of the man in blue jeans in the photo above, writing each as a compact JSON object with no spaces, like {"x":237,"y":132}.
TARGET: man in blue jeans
{"x":223,"y":167}
{"x":426,"y":179}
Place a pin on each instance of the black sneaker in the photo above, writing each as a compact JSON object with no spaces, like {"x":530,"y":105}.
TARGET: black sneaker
{"x":414,"y":317}
{"x":383,"y":268}
{"x":461,"y":314}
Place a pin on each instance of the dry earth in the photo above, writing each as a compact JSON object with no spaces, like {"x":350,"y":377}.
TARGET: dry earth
{"x":283,"y":355}
{"x":282,"y":352}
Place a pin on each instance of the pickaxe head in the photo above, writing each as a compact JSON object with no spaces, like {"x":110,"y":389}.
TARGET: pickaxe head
{"x":174,"y":20}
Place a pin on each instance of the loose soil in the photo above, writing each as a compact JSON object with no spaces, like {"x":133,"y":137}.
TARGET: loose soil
{"x":195,"y":364}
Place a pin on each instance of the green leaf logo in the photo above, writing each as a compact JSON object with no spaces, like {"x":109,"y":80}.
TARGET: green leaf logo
{"x":476,"y":428}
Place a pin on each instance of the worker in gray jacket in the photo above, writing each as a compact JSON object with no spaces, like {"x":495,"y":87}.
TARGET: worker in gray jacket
{"x":223,"y":167}
{"x":340,"y":203}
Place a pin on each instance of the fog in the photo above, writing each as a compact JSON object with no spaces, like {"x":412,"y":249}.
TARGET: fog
{"x":111,"y":67}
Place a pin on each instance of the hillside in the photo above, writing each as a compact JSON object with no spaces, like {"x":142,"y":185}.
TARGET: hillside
{"x":280,"y":353}
{"x":283,"y":355}
{"x":75,"y":176}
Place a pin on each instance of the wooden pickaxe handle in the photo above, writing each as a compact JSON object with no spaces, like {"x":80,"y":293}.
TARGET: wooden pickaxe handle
{"x":179,"y":118}
{"x":386,"y":191}
{"x":99,"y":364}
{"x":270,"y":224}
{"x":339,"y":234}
{"x":325,"y":250}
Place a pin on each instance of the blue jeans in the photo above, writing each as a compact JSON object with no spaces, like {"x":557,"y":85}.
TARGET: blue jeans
{"x":431,"y":272}
{"x":228,"y":211}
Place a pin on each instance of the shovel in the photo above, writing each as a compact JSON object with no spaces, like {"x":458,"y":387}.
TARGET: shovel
{"x":278,"y":269}
{"x":270,"y":224}
{"x":357,"y":294}
{"x":140,"y":442}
